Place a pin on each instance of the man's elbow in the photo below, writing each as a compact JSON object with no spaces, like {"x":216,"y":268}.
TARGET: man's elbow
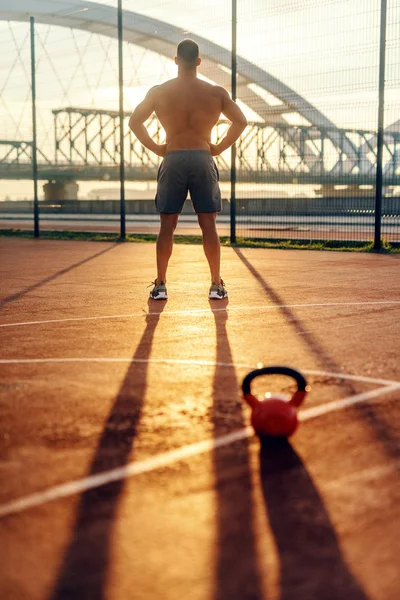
{"x":133,"y":123}
{"x":242,"y":122}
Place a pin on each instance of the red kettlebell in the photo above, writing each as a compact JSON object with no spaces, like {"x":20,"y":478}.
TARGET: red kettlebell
{"x":276,"y":415}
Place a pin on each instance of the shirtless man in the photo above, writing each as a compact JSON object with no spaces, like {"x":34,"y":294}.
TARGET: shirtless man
{"x":188,"y":109}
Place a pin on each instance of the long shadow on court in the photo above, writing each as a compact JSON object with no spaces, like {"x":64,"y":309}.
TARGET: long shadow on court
{"x":324,"y":358}
{"x":46,"y":280}
{"x":236,"y":570}
{"x":383,"y":429}
{"x":311,"y":562}
{"x":84,"y":569}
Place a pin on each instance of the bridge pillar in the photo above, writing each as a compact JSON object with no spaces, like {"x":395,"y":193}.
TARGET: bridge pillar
{"x":60,"y":190}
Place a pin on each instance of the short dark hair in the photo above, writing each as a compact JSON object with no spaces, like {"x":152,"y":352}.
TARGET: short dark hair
{"x":188,"y":51}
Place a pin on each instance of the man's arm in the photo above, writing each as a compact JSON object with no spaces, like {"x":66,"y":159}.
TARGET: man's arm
{"x":230,"y":110}
{"x":141,"y":113}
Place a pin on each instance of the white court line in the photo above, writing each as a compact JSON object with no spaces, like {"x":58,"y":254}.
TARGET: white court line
{"x":201,"y":311}
{"x":183,"y":361}
{"x":351,"y":377}
{"x":167,"y":458}
{"x":317,"y":411}
{"x":371,"y":473}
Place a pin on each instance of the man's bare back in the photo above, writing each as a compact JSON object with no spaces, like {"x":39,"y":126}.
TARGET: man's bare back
{"x":188,"y":110}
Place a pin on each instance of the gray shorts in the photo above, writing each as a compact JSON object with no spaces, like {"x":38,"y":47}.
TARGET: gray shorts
{"x":184,"y":171}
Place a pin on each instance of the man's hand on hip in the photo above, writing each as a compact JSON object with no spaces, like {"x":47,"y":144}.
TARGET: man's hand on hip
{"x":160,"y":150}
{"x":215,"y":149}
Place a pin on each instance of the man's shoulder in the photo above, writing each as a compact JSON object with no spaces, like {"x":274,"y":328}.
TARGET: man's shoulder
{"x":223,"y":91}
{"x":160,"y":88}
{"x":166,"y":84}
{"x":213,"y":87}
{"x":169,"y":85}
{"x":153,"y":90}
{"x":219,"y":90}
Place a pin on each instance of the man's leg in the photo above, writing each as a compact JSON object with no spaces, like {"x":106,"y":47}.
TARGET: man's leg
{"x":211,"y":245}
{"x":165,"y":242}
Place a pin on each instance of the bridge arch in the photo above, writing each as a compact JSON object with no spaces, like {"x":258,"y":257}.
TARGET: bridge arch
{"x":162,"y":38}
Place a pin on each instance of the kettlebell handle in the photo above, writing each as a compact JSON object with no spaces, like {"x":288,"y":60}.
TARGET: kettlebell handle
{"x":297,"y":397}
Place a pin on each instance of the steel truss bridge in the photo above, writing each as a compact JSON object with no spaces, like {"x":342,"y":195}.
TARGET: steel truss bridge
{"x":86,"y":143}
{"x":87,"y":147}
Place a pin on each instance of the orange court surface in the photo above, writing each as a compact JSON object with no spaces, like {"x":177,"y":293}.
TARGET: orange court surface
{"x":128,"y":468}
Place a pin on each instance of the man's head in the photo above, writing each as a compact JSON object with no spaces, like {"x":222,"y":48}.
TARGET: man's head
{"x":188,"y":54}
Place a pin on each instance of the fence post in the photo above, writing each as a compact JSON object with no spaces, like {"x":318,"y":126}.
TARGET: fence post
{"x":34,"y":132}
{"x":379,"y":152}
{"x":233,"y":148}
{"x":121,"y":124}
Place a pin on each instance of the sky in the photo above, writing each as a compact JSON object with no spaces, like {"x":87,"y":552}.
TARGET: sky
{"x":325,"y":50}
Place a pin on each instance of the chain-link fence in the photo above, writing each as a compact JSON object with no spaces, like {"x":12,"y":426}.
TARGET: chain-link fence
{"x":391,"y":156}
{"x":307,"y":80}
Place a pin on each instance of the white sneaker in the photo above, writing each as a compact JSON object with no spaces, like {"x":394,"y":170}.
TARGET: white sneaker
{"x":159,"y":292}
{"x":217,"y":291}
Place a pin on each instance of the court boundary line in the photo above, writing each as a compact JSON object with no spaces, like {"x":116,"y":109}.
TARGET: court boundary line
{"x":187,"y":362}
{"x":170,"y":457}
{"x":374,"y":472}
{"x":201,"y":311}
